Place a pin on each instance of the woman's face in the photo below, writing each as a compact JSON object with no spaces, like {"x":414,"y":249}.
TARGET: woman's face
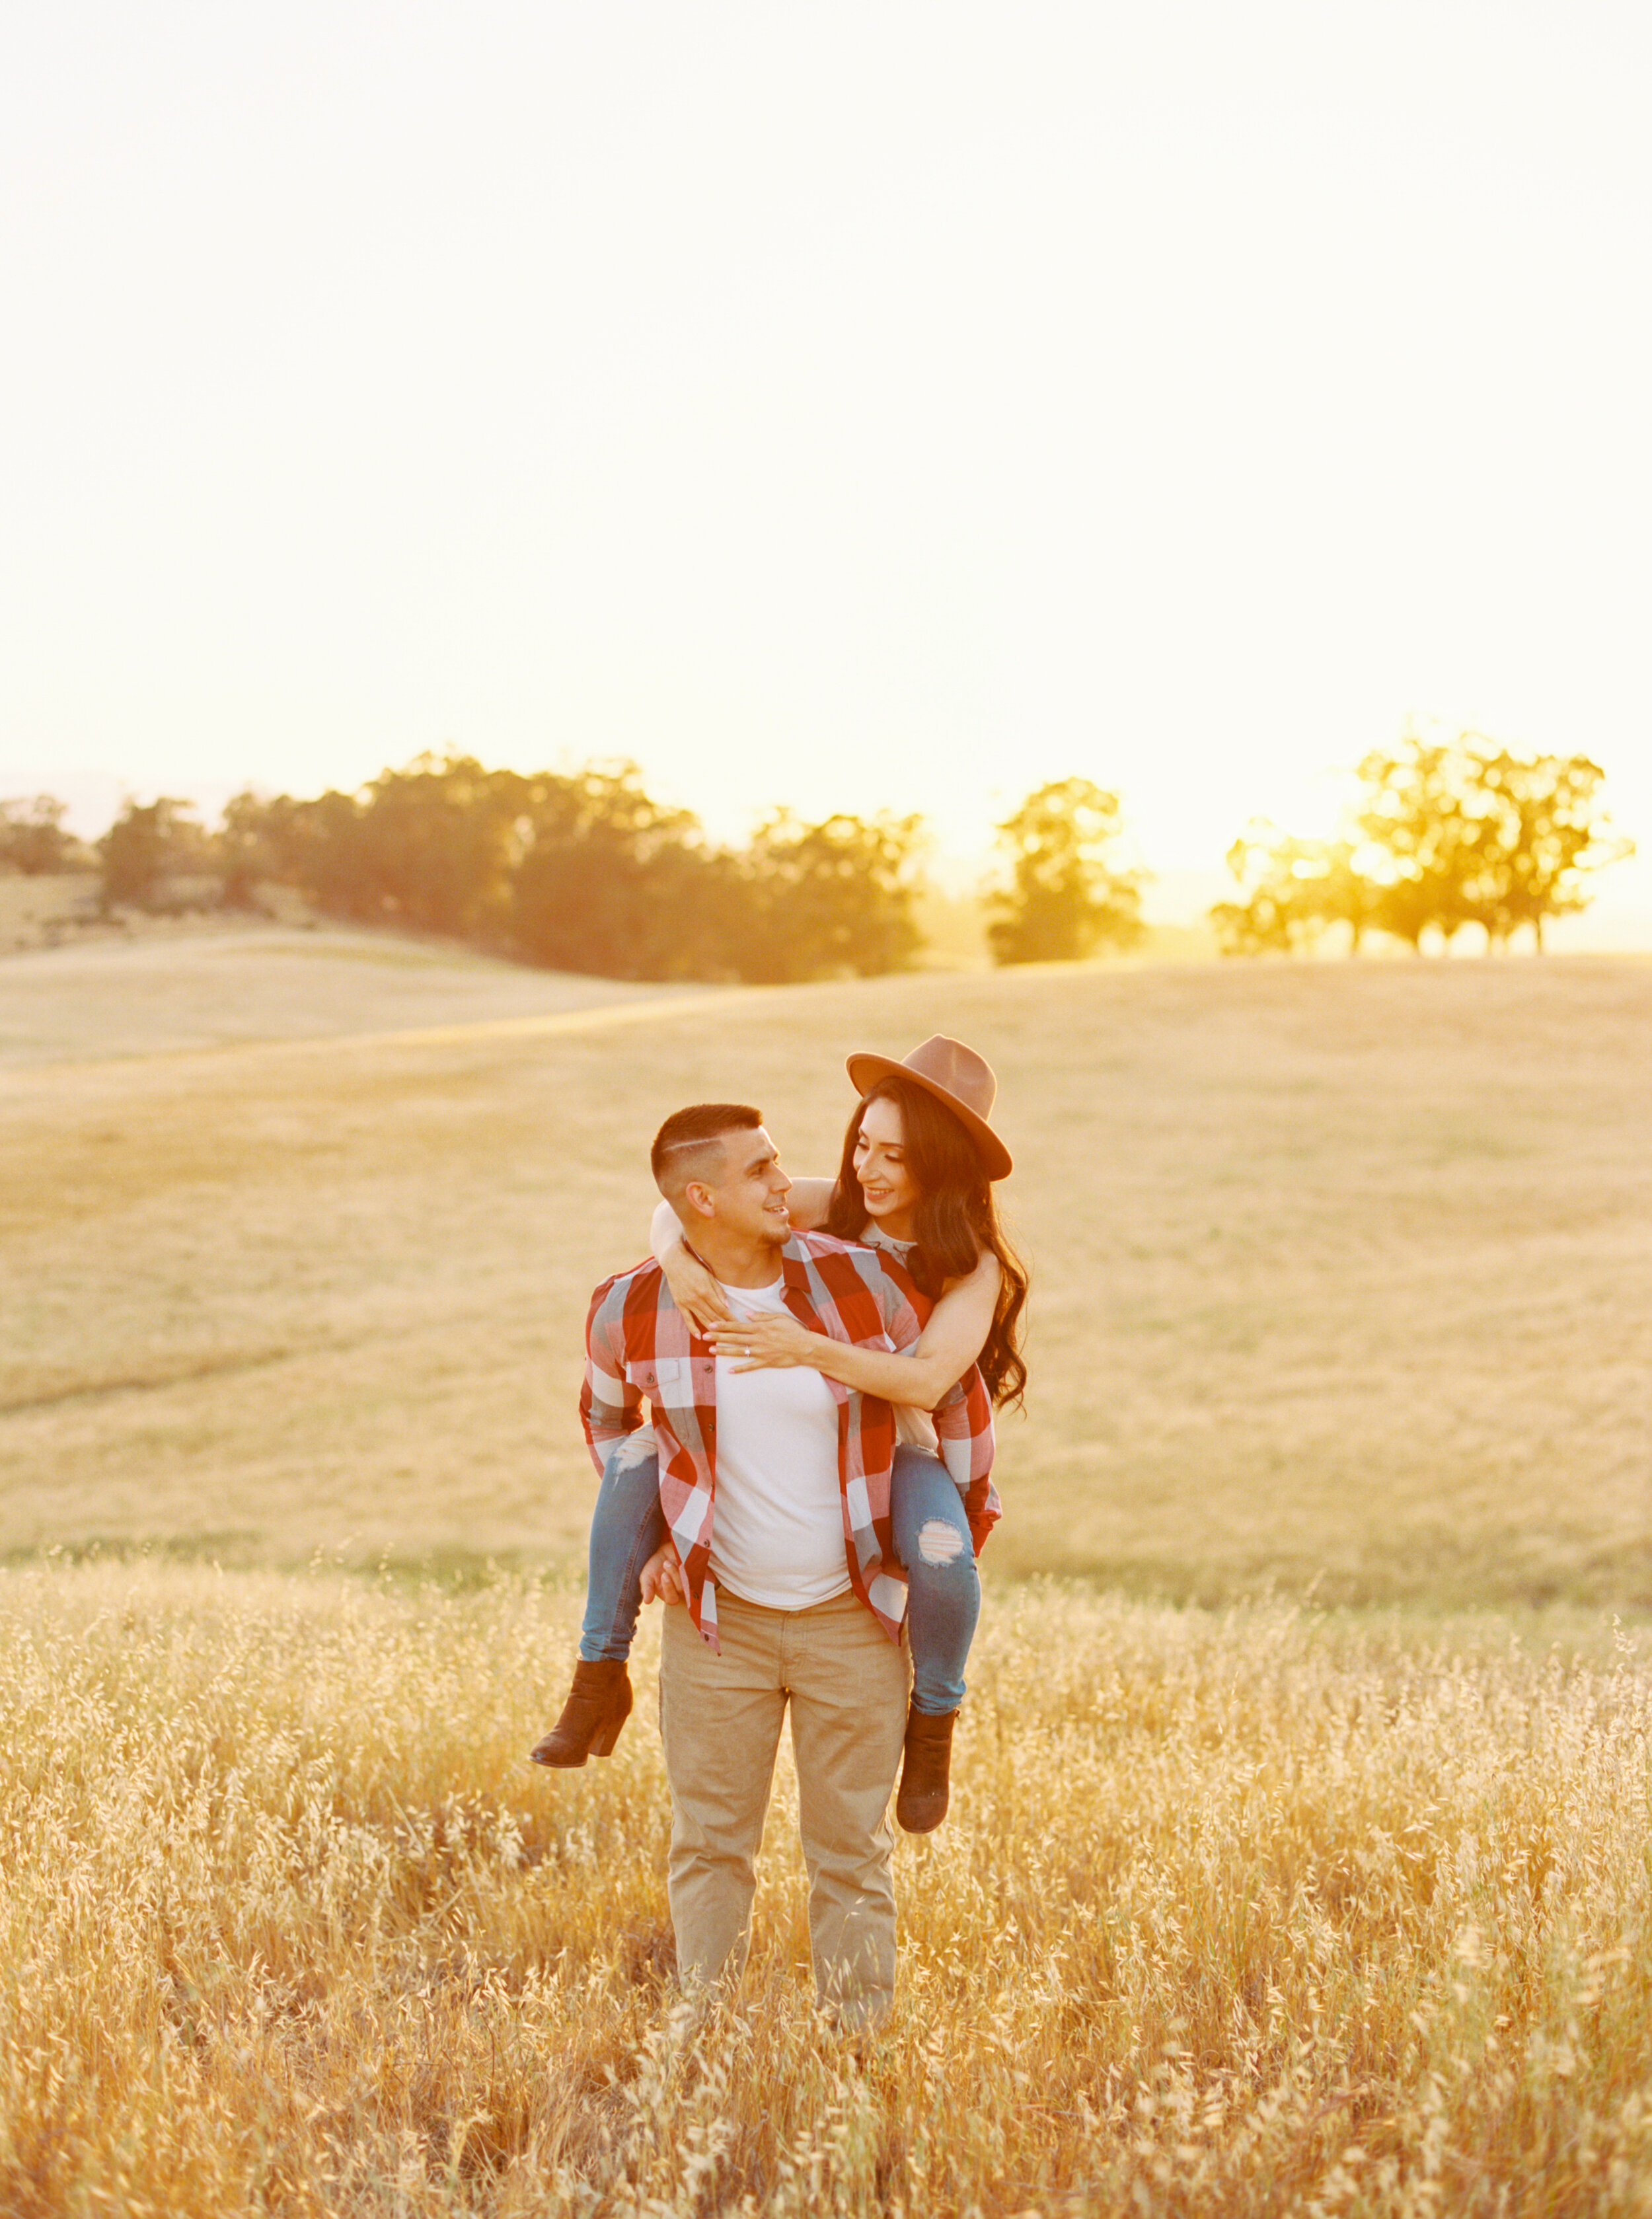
{"x":887,"y":1186}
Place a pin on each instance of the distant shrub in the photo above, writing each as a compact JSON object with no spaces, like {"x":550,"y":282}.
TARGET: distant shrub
{"x":32,"y":839}
{"x":148,"y":846}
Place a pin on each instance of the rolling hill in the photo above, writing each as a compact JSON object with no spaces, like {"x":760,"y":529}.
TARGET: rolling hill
{"x":1341,"y":1272}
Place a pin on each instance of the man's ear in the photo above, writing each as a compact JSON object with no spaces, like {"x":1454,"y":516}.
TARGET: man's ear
{"x":700,"y":1197}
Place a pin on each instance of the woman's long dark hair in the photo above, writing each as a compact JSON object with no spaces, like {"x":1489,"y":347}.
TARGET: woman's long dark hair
{"x":955,"y":1219}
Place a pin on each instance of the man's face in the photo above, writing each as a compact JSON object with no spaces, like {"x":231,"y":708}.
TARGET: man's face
{"x":749,"y":1195}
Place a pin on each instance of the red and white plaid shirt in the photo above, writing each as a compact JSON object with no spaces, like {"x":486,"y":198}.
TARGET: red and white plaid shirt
{"x":639,"y":1344}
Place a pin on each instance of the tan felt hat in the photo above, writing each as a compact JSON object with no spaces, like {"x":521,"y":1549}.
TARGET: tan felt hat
{"x":954,"y":1074}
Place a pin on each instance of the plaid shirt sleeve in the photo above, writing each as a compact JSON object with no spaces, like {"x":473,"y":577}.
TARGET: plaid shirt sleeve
{"x":963,"y":1416}
{"x":609,"y":1405}
{"x":963,"y":1422}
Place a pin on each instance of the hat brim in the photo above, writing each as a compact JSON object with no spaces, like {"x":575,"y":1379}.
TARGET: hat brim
{"x":864,"y":1070}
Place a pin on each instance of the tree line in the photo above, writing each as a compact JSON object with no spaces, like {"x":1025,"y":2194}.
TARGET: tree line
{"x":1444,"y":835}
{"x":583,"y":870}
{"x":579,"y":870}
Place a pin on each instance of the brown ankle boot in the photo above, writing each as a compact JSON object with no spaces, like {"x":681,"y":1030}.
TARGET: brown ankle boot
{"x":922,"y":1803}
{"x":597,"y":1705}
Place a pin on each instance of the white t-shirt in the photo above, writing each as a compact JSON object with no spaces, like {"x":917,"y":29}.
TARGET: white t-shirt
{"x":777,"y":1536}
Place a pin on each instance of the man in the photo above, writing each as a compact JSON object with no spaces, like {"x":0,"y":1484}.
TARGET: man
{"x":775,"y":1485}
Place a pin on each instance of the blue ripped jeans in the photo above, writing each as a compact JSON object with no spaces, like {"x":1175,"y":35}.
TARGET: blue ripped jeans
{"x":932,"y":1539}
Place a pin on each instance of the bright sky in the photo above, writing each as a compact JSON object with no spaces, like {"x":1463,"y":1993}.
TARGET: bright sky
{"x":857,"y":406}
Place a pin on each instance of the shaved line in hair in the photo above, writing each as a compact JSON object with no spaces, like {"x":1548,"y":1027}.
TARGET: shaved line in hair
{"x":689,"y":1145}
{"x":686,"y":1161}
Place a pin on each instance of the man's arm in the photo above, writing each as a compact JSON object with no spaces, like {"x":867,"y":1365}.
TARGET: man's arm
{"x":693,"y":1289}
{"x":609,"y":1405}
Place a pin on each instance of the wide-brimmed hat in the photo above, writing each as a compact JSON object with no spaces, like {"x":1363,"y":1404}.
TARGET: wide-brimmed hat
{"x":954,"y":1074}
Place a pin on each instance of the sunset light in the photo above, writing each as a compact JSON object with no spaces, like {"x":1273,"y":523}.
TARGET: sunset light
{"x":878,"y":408}
{"x":825,"y":1110}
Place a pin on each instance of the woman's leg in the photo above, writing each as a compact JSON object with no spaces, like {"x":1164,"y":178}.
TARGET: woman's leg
{"x":932,"y":1538}
{"x":627,"y":1526}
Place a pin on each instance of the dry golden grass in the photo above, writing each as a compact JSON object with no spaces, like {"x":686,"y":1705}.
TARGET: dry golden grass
{"x":189,"y":982}
{"x":1238,"y":1913}
{"x":1342,"y":1280}
{"x":39,"y":912}
{"x":1343,"y":1274}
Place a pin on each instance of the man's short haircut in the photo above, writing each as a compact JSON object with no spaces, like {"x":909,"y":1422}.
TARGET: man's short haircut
{"x":688,"y":1146}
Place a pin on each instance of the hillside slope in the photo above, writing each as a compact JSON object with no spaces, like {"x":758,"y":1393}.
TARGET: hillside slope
{"x":196,"y":983}
{"x":1341,"y":1273}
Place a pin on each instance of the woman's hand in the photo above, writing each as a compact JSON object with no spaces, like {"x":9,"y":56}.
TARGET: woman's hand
{"x":693,"y":1289}
{"x":662,"y":1575}
{"x":771,"y":1341}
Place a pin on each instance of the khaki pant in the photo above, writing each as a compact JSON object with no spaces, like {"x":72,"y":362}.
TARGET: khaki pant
{"x":720,"y":1715}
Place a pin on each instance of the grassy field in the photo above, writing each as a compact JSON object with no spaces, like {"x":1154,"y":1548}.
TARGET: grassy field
{"x":1333,"y":1905}
{"x":1238,"y":1913}
{"x":187,"y":983}
{"x":1341,"y":1272}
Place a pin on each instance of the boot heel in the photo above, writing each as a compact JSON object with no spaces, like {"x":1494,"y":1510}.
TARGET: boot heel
{"x":598,"y":1706}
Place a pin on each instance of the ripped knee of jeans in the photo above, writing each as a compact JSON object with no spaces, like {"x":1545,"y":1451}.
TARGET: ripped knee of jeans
{"x":635,"y":1448}
{"x":940,"y":1542}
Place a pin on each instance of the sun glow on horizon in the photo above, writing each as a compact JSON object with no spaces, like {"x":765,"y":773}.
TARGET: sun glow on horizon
{"x":829,"y":412}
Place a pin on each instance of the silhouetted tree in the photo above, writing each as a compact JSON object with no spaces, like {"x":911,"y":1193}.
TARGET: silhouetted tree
{"x":1066,"y":897}
{"x":437,"y":842}
{"x":830,"y":899}
{"x":1473,"y":835}
{"x":1451,"y":834}
{"x":1539,"y":831}
{"x":321,"y":841}
{"x":614,"y":882}
{"x":1417,"y":818}
{"x":147,"y":845}
{"x":248,"y":849}
{"x":1293,"y":890}
{"x":33,"y":840}
{"x":583,"y":870}
{"x":432,"y":847}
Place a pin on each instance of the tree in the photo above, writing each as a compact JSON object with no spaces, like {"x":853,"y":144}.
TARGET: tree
{"x":1294,"y":889}
{"x":1474,"y":836}
{"x":248,"y":847}
{"x":315,"y":846}
{"x":33,"y":840}
{"x":1417,"y":820}
{"x":831,"y":898}
{"x":1066,"y":897}
{"x":433,"y":847}
{"x":579,"y":870}
{"x":147,"y":845}
{"x":583,"y":870}
{"x":1538,"y":832}
{"x":1449,"y":834}
{"x":614,"y":882}
{"x":437,"y":842}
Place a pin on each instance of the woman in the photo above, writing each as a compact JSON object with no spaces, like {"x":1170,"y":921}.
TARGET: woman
{"x":919,"y":1160}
